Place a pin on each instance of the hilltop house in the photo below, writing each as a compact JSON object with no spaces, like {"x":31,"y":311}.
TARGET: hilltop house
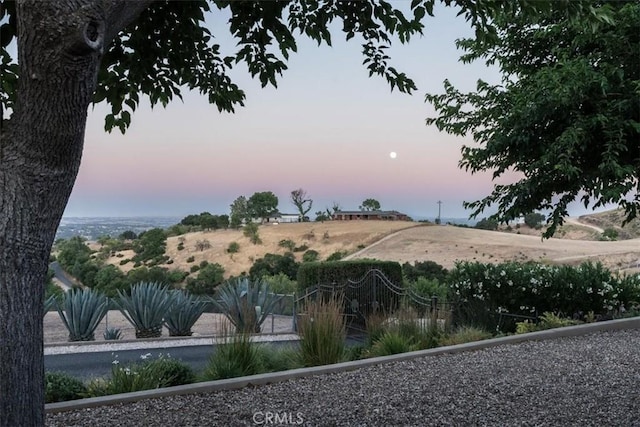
{"x":370,"y":215}
{"x":278,"y":218}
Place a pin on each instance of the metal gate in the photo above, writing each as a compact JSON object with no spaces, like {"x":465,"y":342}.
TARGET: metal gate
{"x":371,"y":294}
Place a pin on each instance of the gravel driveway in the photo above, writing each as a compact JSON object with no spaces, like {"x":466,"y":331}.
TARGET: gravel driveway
{"x":590,"y":380}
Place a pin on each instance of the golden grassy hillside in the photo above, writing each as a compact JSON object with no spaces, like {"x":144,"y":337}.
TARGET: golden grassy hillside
{"x":325,"y":238}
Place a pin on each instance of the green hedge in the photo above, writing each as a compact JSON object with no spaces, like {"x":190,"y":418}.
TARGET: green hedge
{"x":340,"y":272}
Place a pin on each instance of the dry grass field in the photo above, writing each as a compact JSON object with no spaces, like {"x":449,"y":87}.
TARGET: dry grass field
{"x":448,"y":244}
{"x":325,"y":238}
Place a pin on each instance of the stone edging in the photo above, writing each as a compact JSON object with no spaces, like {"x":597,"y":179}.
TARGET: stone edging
{"x":262,"y":379}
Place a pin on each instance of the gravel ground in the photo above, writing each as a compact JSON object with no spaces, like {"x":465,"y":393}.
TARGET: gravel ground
{"x":592,"y":380}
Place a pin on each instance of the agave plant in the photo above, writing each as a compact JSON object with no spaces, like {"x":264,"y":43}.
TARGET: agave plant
{"x":112,"y":334}
{"x":184,"y":313}
{"x":245,"y":304}
{"x":145,"y":308}
{"x":49,"y":303}
{"x":81,"y":311}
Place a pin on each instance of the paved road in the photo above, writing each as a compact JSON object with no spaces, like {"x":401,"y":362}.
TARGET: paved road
{"x":60,"y":275}
{"x":99,"y":364}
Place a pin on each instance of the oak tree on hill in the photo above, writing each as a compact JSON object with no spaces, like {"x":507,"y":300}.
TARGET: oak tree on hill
{"x":239,"y":212}
{"x":566,"y":117}
{"x":262,"y":205}
{"x":73,"y":53}
{"x":370,"y":205}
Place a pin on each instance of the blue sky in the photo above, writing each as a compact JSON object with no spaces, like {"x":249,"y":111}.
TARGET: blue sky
{"x":328,"y":129}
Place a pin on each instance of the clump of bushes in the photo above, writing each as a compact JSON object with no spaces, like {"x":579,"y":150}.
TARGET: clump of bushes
{"x":528,"y":289}
{"x":60,"y":387}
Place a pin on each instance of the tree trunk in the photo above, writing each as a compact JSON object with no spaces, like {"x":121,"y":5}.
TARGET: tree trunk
{"x":60,"y":45}
{"x":59,"y":49}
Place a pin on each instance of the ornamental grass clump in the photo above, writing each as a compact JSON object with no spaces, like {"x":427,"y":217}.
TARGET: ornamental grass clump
{"x":185,"y":311}
{"x":81,"y":311}
{"x":245,"y":303}
{"x":322,"y":332}
{"x":236,"y":357}
{"x":146,"y":308}
{"x":392,"y":342}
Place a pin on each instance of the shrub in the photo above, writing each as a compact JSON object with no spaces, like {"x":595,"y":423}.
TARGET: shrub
{"x":125,"y":261}
{"x":466,"y":334}
{"x":534,"y":220}
{"x":528,"y":289}
{"x":280,"y":284}
{"x":238,"y":357}
{"x":149,"y":374}
{"x":233,"y":247}
{"x":203,"y":245}
{"x":428,"y":288}
{"x":427,"y":269}
{"x":81,"y":311}
{"x":287,"y":244}
{"x":272,"y":264}
{"x":60,"y":387}
{"x":251,"y":231}
{"x":546,"y":321}
{"x":194,"y":268}
{"x":191,"y":259}
{"x":336,"y":256}
{"x":210,"y":276}
{"x":310,"y":256}
{"x":487,"y":224}
{"x":300,"y":248}
{"x":322,"y":332}
{"x":609,"y":234}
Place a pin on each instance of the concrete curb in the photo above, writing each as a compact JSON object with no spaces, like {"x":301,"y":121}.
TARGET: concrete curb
{"x":167,"y":342}
{"x":262,"y":379}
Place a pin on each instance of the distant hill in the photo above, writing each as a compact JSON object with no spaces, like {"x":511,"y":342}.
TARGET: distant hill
{"x":613,"y":219}
{"x":326,"y":238}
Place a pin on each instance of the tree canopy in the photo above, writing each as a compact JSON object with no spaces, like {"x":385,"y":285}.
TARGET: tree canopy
{"x":262,"y":205}
{"x":370,"y":205}
{"x":565,"y":120}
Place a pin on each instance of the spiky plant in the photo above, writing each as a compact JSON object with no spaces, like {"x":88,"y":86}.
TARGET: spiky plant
{"x":184,"y":313}
{"x":81,"y":311}
{"x":246,"y":304}
{"x":145,"y":308}
{"x":49,"y":303}
{"x":112,"y":334}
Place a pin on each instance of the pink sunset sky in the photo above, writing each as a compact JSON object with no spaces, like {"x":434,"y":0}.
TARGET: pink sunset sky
{"x":328,"y":129}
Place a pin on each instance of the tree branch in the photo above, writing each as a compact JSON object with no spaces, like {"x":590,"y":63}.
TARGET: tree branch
{"x":121,"y":13}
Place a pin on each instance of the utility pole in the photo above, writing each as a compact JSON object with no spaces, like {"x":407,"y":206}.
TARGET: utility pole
{"x":439,"y":219}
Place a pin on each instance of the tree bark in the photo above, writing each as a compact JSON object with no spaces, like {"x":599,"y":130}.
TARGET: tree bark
{"x":60,"y":44}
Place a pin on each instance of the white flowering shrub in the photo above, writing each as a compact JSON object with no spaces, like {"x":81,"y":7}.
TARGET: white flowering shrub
{"x":530,"y":289}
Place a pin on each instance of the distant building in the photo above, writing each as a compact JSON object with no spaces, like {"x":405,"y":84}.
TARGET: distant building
{"x":370,"y":215}
{"x":278,"y":218}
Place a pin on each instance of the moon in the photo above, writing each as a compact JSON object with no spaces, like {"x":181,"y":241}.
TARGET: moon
{"x":393,"y":155}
